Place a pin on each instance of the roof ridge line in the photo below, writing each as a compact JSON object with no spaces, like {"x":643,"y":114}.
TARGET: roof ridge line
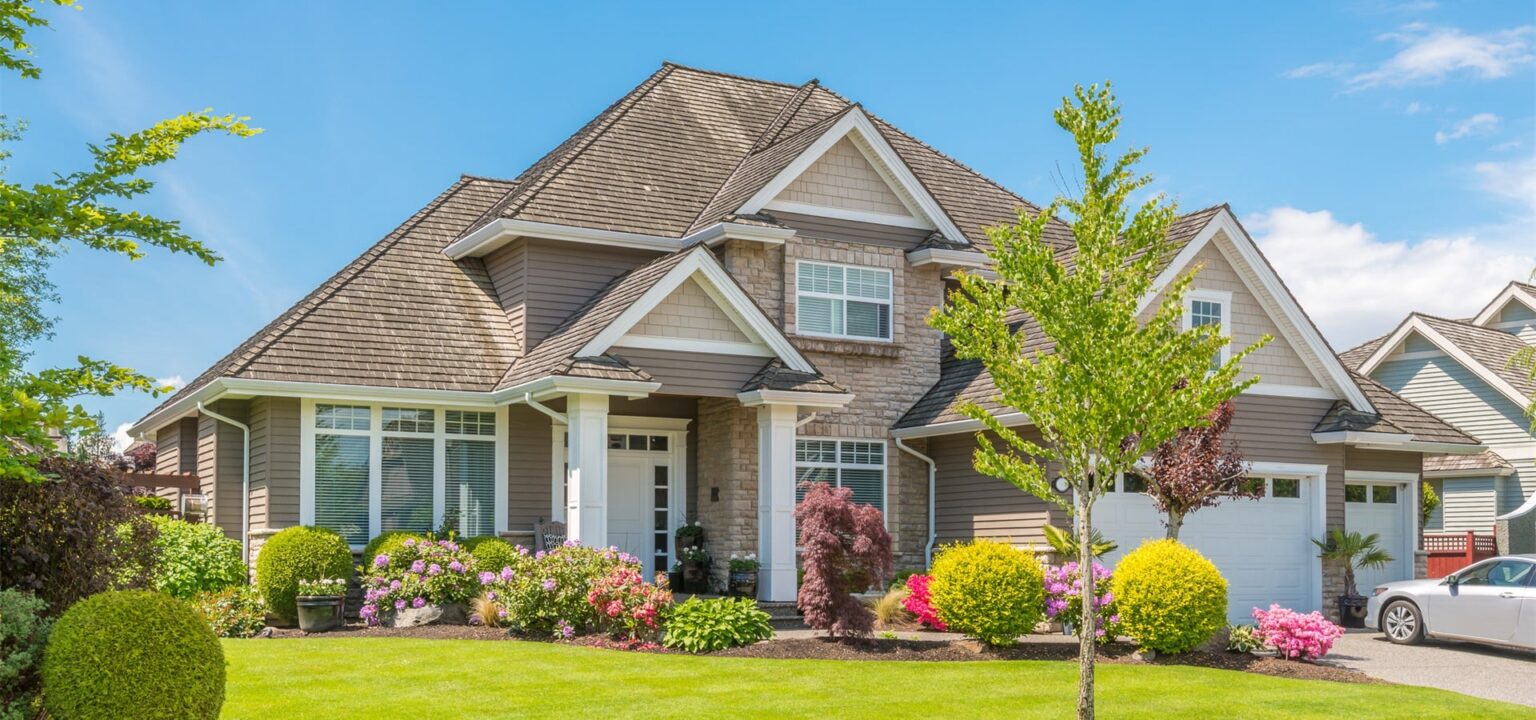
{"x":756,"y":147}
{"x":721,"y":73}
{"x":781,"y":121}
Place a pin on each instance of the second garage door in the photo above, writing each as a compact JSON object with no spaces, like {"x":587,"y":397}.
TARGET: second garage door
{"x":1262,"y":547}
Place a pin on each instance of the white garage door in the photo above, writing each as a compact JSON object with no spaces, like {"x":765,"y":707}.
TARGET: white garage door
{"x":1382,"y":508}
{"x":1262,"y":547}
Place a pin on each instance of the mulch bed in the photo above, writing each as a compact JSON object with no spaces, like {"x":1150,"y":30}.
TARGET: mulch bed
{"x":883,"y":649}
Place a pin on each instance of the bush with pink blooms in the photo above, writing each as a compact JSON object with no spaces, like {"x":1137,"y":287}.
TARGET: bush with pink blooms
{"x":417,"y":574}
{"x":627,"y":606}
{"x":1296,"y":636}
{"x":920,"y":603}
{"x":544,"y":594}
{"x":1064,"y":600}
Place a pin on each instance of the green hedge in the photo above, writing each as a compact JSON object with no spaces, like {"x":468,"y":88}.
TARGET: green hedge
{"x":23,"y":635}
{"x":387,"y":543}
{"x":194,"y":558}
{"x":298,"y":553}
{"x":491,"y":553}
{"x":132,"y":654}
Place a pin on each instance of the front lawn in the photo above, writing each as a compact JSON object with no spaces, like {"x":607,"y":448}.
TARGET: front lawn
{"x":374,"y":678}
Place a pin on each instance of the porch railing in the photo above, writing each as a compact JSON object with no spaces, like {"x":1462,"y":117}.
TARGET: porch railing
{"x":1450,"y":552}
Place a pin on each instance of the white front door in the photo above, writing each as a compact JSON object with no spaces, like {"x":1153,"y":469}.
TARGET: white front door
{"x":629,"y":506}
{"x":1383,"y":508}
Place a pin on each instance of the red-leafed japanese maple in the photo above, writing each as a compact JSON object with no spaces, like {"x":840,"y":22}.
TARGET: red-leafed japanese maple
{"x":1199,"y":468}
{"x":840,"y":540}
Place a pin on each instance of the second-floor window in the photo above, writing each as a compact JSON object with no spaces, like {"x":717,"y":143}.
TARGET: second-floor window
{"x":1210,"y":307}
{"x":842,"y":301}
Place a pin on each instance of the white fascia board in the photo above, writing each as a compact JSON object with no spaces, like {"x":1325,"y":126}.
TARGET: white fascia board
{"x":906,"y":221}
{"x":720,"y":285}
{"x":553,"y":385}
{"x":1382,"y":475}
{"x":501,"y":231}
{"x":1292,"y":391}
{"x":692,"y":345}
{"x":1416,"y":324}
{"x":754,"y":398}
{"x":720,"y":232}
{"x":948,"y":257}
{"x":179,"y":409}
{"x":856,"y":121}
{"x":1353,"y":437}
{"x":1427,"y":447}
{"x":1510,"y":292}
{"x":1470,"y":472}
{"x":954,"y":427}
{"x":1275,"y":299}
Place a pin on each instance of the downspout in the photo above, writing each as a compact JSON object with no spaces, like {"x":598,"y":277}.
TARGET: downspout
{"x":541,"y":407}
{"x":245,"y":480}
{"x":933,"y":472}
{"x":805,"y":420}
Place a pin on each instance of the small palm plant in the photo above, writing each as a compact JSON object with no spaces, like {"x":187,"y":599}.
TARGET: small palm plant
{"x":1064,"y":542}
{"x":1353,"y":551}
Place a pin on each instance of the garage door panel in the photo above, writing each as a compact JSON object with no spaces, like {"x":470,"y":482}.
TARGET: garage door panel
{"x":1386,"y":514}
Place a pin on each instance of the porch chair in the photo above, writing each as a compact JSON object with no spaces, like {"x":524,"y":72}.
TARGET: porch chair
{"x":548,"y":535}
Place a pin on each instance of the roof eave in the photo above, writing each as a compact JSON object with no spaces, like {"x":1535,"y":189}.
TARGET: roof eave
{"x":756,"y":398}
{"x":496,"y":233}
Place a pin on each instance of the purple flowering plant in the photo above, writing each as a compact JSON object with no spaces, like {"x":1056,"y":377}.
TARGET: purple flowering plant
{"x":545,"y":594}
{"x":1064,"y":599}
{"x":417,"y":574}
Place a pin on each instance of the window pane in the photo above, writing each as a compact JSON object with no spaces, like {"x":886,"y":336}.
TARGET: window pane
{"x":864,"y":453}
{"x":875,"y":284}
{"x":1384,"y":493}
{"x":1204,"y":312}
{"x":812,"y":475}
{"x":869,"y":320}
{"x":817,"y":278}
{"x":341,"y":485}
{"x":819,"y":315}
{"x":1285,"y":488}
{"x":818,"y":451}
{"x":414,"y":420}
{"x":1135,"y":483}
{"x":470,"y":422}
{"x":469,"y":496}
{"x":636,"y":442}
{"x":868,"y":486}
{"x":1253,"y":485}
{"x":341,"y":417}
{"x":616,"y":442}
{"x":1354,"y":493}
{"x":405,"y":484}
{"x":658,"y":442}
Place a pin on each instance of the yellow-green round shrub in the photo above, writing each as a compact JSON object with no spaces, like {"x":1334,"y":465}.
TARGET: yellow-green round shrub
{"x":132,"y":654}
{"x":1170,"y":598}
{"x":298,"y":553}
{"x":988,"y":590}
{"x":387,"y":543}
{"x":491,"y":553}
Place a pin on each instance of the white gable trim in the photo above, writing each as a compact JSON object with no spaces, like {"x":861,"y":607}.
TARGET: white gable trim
{"x":718,"y":284}
{"x":1271,"y":294}
{"x":1511,"y":293}
{"x":501,"y":231}
{"x":1415,"y":324}
{"x":693,"y":345}
{"x":885,"y":160}
{"x":907,"y":221}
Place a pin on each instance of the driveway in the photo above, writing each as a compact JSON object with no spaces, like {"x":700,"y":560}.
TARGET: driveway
{"x":1480,"y":671}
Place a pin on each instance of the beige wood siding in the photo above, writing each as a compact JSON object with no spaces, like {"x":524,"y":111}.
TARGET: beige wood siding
{"x":529,"y":476}
{"x":507,"y":267}
{"x":702,"y":374}
{"x":219,"y":463}
{"x":843,"y":178}
{"x":689,"y":312}
{"x":1275,"y":429}
{"x":561,"y":277}
{"x":274,"y":462}
{"x":969,"y":504}
{"x":1277,"y":362}
{"x":1383,"y":461}
{"x":176,"y":452}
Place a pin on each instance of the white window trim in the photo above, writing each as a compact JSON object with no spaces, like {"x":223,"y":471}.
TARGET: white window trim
{"x":885,"y":467}
{"x":376,"y":435}
{"x":1222,"y":297}
{"x":889,"y":302}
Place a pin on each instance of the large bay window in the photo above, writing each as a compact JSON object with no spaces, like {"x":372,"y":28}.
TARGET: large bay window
{"x":855,"y":464}
{"x":368,"y":469}
{"x":842,"y":301}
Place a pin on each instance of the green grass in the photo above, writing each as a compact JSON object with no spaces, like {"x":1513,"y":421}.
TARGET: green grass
{"x":394,"y":677}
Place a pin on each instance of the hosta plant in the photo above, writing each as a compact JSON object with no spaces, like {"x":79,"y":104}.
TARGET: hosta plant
{"x":699,"y":626}
{"x":1297,"y":636}
{"x":1064,"y":599}
{"x":1243,"y":639}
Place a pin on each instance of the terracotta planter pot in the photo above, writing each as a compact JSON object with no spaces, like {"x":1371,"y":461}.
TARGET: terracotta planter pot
{"x":319,"y":613}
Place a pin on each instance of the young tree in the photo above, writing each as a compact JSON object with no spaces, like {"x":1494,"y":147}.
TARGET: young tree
{"x":1525,"y":361}
{"x":840,"y":540}
{"x":39,"y":223}
{"x":1197,"y":468}
{"x":1114,"y":387}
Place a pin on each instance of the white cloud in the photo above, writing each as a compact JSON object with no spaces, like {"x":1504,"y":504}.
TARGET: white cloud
{"x":1479,"y":124}
{"x":1318,"y":69}
{"x":1511,"y":180}
{"x":1432,"y":54}
{"x":1416,"y":107}
{"x":120,"y":438}
{"x":174,"y":381}
{"x":1355,"y":286}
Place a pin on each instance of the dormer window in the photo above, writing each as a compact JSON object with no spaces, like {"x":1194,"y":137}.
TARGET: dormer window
{"x":842,"y":301}
{"x":1210,"y":307}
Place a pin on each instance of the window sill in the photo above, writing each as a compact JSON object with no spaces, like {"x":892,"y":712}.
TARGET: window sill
{"x":837,"y":346}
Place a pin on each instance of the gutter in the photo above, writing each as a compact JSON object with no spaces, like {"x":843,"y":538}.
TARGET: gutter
{"x":933,"y":471}
{"x":547,"y":410}
{"x":245,"y":481}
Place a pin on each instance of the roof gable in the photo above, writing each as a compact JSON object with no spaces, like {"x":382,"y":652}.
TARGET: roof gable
{"x":694,"y":315}
{"x":1482,"y":351}
{"x":845,"y":182}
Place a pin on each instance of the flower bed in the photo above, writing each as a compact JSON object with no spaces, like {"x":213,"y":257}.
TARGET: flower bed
{"x":421,"y":573}
{"x":1064,"y":599}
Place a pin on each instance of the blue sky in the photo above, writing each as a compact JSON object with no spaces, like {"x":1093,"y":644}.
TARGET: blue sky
{"x":1384,"y":153}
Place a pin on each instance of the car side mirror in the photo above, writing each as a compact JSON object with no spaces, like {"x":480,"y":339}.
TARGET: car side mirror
{"x":1451,"y":580}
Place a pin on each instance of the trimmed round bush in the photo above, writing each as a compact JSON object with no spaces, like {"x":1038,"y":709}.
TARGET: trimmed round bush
{"x":298,"y":553}
{"x":492,"y":553}
{"x":988,"y":590}
{"x":132,"y":654}
{"x":1170,"y":598}
{"x":194,"y":558}
{"x":387,"y":543}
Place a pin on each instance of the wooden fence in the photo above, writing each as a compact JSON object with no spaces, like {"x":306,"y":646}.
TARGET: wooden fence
{"x":1450,"y":552}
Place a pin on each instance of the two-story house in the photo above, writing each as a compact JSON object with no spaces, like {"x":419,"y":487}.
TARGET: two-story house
{"x":1459,"y":370}
{"x":715,"y":290}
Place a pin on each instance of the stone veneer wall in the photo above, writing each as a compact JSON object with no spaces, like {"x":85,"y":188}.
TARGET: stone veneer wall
{"x":727,"y":465}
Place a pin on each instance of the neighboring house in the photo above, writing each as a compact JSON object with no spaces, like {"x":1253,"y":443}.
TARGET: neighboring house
{"x":1458,"y":370}
{"x":714,"y":289}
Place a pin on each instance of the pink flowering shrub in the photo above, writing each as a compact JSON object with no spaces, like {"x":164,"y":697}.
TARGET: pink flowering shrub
{"x":545,"y":593}
{"x":629,"y":607}
{"x":1297,"y":636}
{"x":419,"y":573}
{"x":920,"y":603}
{"x":1064,"y":599}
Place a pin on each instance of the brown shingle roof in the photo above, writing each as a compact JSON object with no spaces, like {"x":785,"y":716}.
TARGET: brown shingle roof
{"x":1488,"y":347}
{"x":1485,"y":460}
{"x":775,"y":376}
{"x":1397,"y":412}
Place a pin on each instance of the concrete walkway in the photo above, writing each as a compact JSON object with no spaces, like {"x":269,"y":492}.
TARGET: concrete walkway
{"x":1477,"y":670}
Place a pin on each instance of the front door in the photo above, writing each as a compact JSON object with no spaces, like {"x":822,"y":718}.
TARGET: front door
{"x":629,"y":511}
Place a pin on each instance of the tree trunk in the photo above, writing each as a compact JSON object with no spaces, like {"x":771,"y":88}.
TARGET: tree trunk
{"x":1085,"y":623}
{"x":1175,"y":523}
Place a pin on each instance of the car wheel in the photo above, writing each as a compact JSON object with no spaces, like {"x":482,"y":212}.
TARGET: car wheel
{"x":1402,"y":623}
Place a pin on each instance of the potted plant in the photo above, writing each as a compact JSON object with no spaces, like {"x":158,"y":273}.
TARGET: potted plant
{"x":1352,"y":550}
{"x":321,"y":603}
{"x":690,"y":535}
{"x":675,"y":575}
{"x":695,"y":569}
{"x":744,"y":575}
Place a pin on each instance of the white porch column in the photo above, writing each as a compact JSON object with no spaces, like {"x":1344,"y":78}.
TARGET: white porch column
{"x":586,"y":511}
{"x":776,"y":502}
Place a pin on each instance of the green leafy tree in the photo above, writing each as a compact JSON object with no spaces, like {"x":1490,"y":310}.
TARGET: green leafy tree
{"x":40,"y":222}
{"x":1427,"y":503}
{"x":1525,"y":361}
{"x":1117,"y":383}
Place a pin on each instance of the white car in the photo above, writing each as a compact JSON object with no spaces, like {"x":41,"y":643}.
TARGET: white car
{"x":1491,"y":602}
